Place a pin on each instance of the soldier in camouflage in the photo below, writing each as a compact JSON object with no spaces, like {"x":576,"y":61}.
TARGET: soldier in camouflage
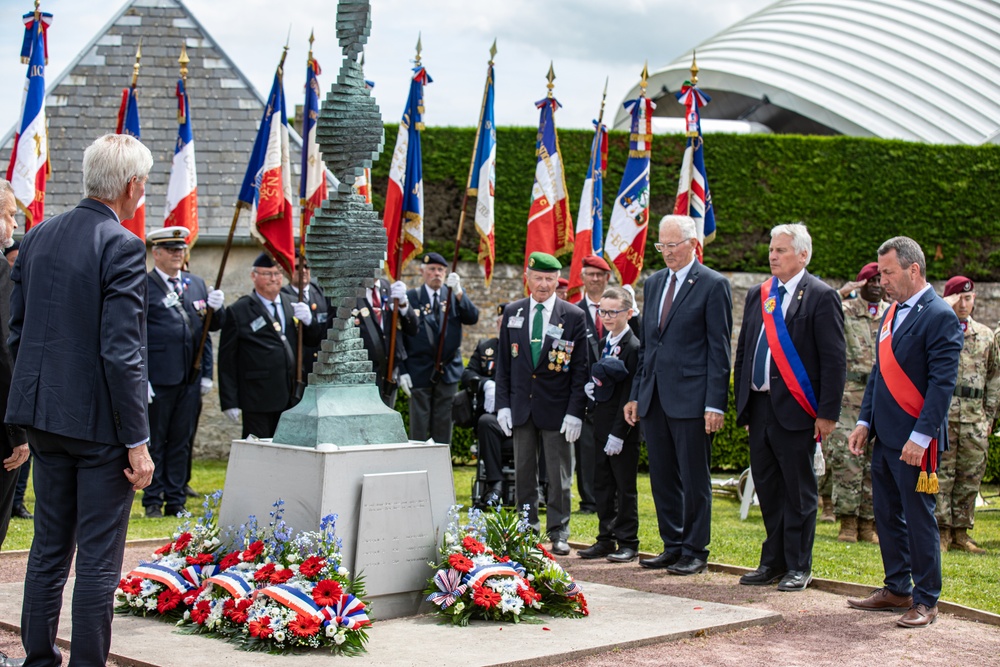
{"x":973,"y":409}
{"x":851,"y":475}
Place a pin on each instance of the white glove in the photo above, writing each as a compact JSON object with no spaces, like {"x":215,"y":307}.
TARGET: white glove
{"x":819,"y":462}
{"x":635,"y":304}
{"x":490,"y":396}
{"x":505,"y":422}
{"x":571,"y":428}
{"x":206,"y":386}
{"x":149,"y":392}
{"x":454,"y":283}
{"x":233,"y":414}
{"x":302,"y":313}
{"x":405,"y":383}
{"x":614,"y":446}
{"x":216,"y":298}
{"x":397,"y":291}
{"x":588,"y":389}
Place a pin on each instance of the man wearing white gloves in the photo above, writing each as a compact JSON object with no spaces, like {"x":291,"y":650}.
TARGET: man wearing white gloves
{"x":373,"y":316}
{"x":257,"y":351}
{"x":539,"y":392}
{"x":431,"y":391}
{"x":177,"y":306}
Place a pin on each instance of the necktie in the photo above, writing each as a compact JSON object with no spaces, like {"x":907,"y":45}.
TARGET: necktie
{"x":668,"y":301}
{"x":536,"y":334}
{"x":607,"y":349}
{"x":377,"y":306}
{"x":175,"y":285}
{"x":598,"y":324}
{"x":436,"y":307}
{"x":895,"y":316}
{"x":274,"y":311}
{"x":760,"y":356}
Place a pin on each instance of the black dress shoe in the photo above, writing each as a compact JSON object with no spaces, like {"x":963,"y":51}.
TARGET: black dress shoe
{"x":688,"y":565}
{"x":623,"y":555}
{"x":588,"y":509}
{"x":599,"y":550}
{"x":20,"y":512}
{"x":173,"y":510}
{"x":795,"y":580}
{"x":659,"y":562}
{"x":191,"y":493}
{"x":154,"y":512}
{"x":762,"y":576}
{"x":560,"y":547}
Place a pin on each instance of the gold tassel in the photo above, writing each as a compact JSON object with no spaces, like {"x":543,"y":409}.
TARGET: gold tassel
{"x":922,"y":482}
{"x":932,"y":483}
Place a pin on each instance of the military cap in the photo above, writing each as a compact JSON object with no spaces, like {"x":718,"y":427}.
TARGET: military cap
{"x":543,"y":261}
{"x":263,"y":261}
{"x":500,"y":307}
{"x":605,"y":374}
{"x":169,"y":237}
{"x":563,"y":283}
{"x":868,"y":271}
{"x":596,"y":262}
{"x":958,"y":285}
{"x":434,"y":258}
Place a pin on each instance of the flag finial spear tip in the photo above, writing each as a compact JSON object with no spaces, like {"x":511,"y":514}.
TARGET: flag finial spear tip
{"x":606,"y":85}
{"x":135,"y":67}
{"x":493,"y":50}
{"x":551,"y":76}
{"x":312,"y":36}
{"x":645,"y":77}
{"x":420,"y":48}
{"x":694,"y":68}
{"x":184,"y":60}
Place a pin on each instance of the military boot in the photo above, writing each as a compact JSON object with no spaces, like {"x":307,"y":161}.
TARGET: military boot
{"x":964,"y":542}
{"x":848,"y":528}
{"x":828,"y":515}
{"x":866,"y":531}
{"x":945,"y":537}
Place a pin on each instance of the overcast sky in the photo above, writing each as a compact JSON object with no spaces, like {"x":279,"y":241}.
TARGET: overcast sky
{"x":587,"y":40}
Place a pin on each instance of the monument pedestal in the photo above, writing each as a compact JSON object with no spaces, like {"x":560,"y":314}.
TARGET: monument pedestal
{"x":392,"y":504}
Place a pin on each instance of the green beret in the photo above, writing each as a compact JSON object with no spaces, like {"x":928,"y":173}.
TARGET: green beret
{"x":542,"y":261}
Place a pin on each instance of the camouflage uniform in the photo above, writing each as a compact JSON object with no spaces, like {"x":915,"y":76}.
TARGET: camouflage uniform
{"x":852,"y":476}
{"x":973,"y":408}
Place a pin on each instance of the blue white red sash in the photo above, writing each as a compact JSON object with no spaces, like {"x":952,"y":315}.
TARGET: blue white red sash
{"x":783,"y":353}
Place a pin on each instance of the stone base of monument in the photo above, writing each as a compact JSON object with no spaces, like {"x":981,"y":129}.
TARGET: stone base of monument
{"x":392,"y":504}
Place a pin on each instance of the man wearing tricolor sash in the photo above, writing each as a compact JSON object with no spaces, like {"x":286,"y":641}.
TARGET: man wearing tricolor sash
{"x":905,"y":411}
{"x":791,"y":366}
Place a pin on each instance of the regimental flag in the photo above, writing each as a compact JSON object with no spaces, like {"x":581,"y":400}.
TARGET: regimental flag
{"x":182,"y":190}
{"x":484,"y":175}
{"x":312,"y":190}
{"x":404,"y":201}
{"x":626,"y":241}
{"x":267,"y":186}
{"x":590,"y":217}
{"x":363,"y":183}
{"x":27,"y":44}
{"x":550,"y":225}
{"x":694,"y":198}
{"x":128,"y":123}
{"x":29,"y":161}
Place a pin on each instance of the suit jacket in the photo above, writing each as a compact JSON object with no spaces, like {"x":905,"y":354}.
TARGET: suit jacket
{"x":815,"y":322}
{"x":12,"y":435}
{"x":78,"y":328}
{"x":320,"y":308}
{"x":612,"y":411}
{"x":173,"y":342}
{"x":255,"y":372}
{"x":927,"y":346}
{"x":688,"y":363}
{"x":539,"y":393}
{"x":482,"y":366}
{"x":376,"y":338}
{"x":421,"y":347}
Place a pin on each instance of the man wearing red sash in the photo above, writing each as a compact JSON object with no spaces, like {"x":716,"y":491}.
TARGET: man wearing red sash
{"x":905,"y":411}
{"x":790,"y":370}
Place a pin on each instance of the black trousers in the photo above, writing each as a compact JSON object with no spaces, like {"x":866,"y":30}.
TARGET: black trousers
{"x":260,"y":424}
{"x":781,"y":462}
{"x":491,"y":441}
{"x":617,"y":497}
{"x":173,"y":415}
{"x":8,"y":488}
{"x":584,"y":451}
{"x":82,"y":503}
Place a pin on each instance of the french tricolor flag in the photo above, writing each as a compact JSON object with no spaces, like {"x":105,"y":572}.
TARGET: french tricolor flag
{"x":28,"y":169}
{"x":590,"y":218}
{"x":128,"y":123}
{"x":312,"y":190}
{"x":182,"y":190}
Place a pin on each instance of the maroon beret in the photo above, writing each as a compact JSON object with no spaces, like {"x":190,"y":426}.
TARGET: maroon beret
{"x":958,"y":285}
{"x":563,"y":283}
{"x":596,"y":262}
{"x":868,"y":271}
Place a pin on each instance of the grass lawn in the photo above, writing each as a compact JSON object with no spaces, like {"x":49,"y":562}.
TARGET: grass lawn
{"x":968,"y":579}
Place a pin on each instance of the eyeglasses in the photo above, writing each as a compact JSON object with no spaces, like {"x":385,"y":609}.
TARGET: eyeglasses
{"x":276,"y":273}
{"x":660,"y":247}
{"x":610,"y":313}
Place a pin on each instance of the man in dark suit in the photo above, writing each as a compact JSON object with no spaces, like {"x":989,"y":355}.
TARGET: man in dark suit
{"x":539,"y":392}
{"x":920,"y":342}
{"x":177,"y":306}
{"x":314,"y":298}
{"x":78,"y":339}
{"x":431,"y":394}
{"x":257,"y":351}
{"x":682,"y":392}
{"x":373,"y":316}
{"x":789,"y":398}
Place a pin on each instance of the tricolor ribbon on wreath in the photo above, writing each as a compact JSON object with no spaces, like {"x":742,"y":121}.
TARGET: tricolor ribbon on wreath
{"x":180,"y":582}
{"x":349,"y":612}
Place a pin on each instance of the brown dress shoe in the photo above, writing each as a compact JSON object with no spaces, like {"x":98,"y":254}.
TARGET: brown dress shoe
{"x":883,"y":600}
{"x":918,"y":616}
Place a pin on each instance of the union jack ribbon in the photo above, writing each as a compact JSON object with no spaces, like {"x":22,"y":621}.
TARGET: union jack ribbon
{"x":237,"y":586}
{"x":452,"y":588}
{"x":195,"y":574}
{"x":163,"y":575}
{"x":478,"y":575}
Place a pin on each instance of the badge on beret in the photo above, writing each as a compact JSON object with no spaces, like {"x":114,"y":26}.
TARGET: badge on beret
{"x":488,"y":352}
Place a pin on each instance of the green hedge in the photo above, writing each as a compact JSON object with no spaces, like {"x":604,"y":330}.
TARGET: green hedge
{"x":853,"y":193}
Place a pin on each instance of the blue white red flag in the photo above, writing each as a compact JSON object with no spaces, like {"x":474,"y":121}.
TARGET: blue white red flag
{"x":550,"y":225}
{"x":29,"y":161}
{"x":404,"y":201}
{"x":694,"y":198}
{"x":182,"y":189}
{"x":626,"y":242}
{"x":484,"y":174}
{"x":363,"y":183}
{"x":128,"y":123}
{"x":267,"y":185}
{"x":312,"y":190}
{"x":590,"y":217}
{"x":44,"y":20}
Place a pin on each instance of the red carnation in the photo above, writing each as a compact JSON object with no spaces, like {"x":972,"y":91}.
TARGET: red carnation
{"x":200,"y":559}
{"x":485,"y":597}
{"x":261,"y":628}
{"x":327,"y":593}
{"x":264,"y":573}
{"x":201,"y":611}
{"x":229,"y":560}
{"x":529,"y":595}
{"x":460,"y":562}
{"x":182,"y":542}
{"x":165,"y":549}
{"x":131,"y":585}
{"x":312,"y":566}
{"x":254,"y":550}
{"x":473,"y":546}
{"x":281,"y":576}
{"x":304,"y":626}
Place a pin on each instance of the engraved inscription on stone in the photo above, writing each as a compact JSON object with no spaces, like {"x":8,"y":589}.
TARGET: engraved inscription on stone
{"x":395,"y":532}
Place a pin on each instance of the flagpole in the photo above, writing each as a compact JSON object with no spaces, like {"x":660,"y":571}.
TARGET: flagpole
{"x":461,"y":216}
{"x":694,"y":82}
{"x":302,"y":233}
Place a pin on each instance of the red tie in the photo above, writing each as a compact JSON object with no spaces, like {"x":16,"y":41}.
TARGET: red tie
{"x":597,"y":323}
{"x":377,"y":306}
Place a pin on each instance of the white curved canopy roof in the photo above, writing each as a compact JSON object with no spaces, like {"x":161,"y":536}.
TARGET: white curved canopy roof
{"x":921,"y":70}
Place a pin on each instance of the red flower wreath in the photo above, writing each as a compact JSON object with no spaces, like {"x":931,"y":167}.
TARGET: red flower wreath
{"x":264,"y":574}
{"x":327,"y":593}
{"x":200,"y":612}
{"x":131,"y":585}
{"x":486,"y":597}
{"x":281,"y":576}
{"x":229,"y":560}
{"x":200,"y":559}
